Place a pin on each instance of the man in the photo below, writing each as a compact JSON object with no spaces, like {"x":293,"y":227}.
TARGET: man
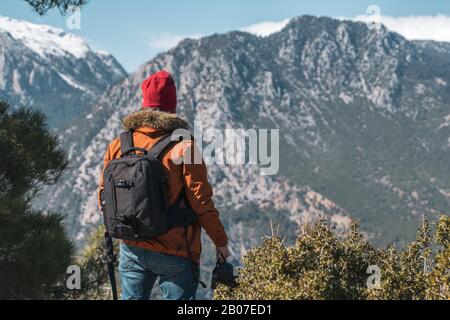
{"x":173,"y":257}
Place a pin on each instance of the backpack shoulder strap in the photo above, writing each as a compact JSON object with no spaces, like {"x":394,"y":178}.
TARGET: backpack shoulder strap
{"x":161,"y":145}
{"x":126,"y":141}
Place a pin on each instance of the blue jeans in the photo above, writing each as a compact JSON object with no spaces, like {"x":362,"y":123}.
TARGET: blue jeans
{"x":139,"y":269}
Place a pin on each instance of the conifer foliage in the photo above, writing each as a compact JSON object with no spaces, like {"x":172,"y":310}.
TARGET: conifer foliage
{"x":64,"y":6}
{"x":34,"y":249}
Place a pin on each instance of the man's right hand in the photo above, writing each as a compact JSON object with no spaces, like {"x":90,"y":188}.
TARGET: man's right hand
{"x":223,"y":253}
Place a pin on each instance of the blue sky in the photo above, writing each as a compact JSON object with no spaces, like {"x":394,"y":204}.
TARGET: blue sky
{"x":135,"y":30}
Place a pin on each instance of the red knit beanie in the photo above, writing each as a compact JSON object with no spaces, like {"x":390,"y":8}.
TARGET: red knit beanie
{"x":159,"y":91}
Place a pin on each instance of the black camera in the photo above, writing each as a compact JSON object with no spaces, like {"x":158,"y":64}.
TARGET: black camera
{"x":223,"y":273}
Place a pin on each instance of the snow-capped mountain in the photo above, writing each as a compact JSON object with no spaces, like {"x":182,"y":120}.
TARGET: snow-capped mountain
{"x":57,"y":72}
{"x":363,"y":117}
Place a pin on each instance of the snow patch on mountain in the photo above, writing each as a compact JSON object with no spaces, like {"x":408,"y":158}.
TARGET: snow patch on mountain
{"x":45,"y":40}
{"x":50,"y":70}
{"x":446,"y":122}
{"x":71,"y":82}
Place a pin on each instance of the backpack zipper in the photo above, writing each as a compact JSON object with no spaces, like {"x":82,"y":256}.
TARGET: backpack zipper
{"x":113,"y":194}
{"x":133,"y":200}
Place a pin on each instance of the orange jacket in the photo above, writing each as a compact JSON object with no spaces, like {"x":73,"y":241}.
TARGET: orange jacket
{"x":148,"y":126}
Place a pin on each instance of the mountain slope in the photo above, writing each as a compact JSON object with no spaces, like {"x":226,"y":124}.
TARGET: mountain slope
{"x":363,"y":119}
{"x":45,"y":68}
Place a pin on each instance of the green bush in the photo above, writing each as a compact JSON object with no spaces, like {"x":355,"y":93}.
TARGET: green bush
{"x":94,"y":273}
{"x":324,"y":265}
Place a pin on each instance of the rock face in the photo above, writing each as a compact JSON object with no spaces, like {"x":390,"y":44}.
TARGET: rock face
{"x":53,"y":71}
{"x":364,"y":120}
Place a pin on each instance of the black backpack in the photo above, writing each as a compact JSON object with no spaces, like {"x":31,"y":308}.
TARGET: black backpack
{"x":135,"y":193}
{"x":134,"y":199}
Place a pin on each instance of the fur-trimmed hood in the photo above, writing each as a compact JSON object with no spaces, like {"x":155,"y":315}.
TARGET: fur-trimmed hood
{"x":154,"y":119}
